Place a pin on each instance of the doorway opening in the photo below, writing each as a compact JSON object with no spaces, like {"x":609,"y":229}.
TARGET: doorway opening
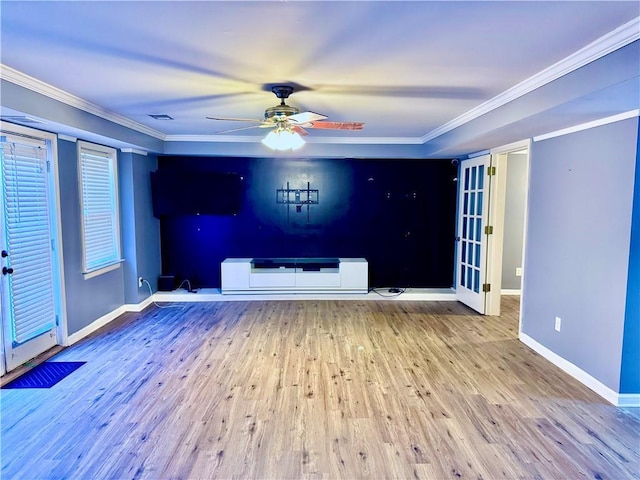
{"x":492,"y":227}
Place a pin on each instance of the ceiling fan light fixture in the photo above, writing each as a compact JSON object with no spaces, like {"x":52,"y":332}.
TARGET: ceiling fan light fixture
{"x":283,"y":140}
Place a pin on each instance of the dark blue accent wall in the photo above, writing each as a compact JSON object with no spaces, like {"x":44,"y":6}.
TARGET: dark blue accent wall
{"x":398,"y":214}
{"x":630,"y":372}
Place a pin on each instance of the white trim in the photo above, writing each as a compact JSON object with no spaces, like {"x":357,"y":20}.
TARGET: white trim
{"x":618,"y":38}
{"x":367,"y":140}
{"x":68,"y":138}
{"x":92,"y":327}
{"x":510,"y":291}
{"x":133,"y":150}
{"x":523,"y":280}
{"x":336,"y":140}
{"x":21,"y":119}
{"x":62,"y":324}
{"x":629,"y":400}
{"x":617,"y":399}
{"x":478,"y":154}
{"x":512,"y":147}
{"x":101,"y":270}
{"x":23,"y":80}
{"x":214,"y":295}
{"x":213,"y":138}
{"x":585,"y":126}
{"x":105,"y":319}
{"x":138,"y":307}
{"x":496,"y":197}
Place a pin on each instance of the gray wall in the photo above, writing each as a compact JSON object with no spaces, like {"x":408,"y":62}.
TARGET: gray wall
{"x":630,"y":374}
{"x":140,"y":230}
{"x":516,"y":194}
{"x":578,"y":245}
{"x":87,"y":300}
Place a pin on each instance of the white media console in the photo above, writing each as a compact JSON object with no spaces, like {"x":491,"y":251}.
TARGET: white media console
{"x":294,"y":275}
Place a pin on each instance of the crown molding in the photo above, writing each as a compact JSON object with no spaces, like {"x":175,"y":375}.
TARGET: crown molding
{"x":585,"y":126}
{"x":68,"y":138}
{"x":335,"y":140}
{"x":478,"y":154}
{"x":133,"y":150}
{"x":212,"y":138}
{"x":612,"y":41}
{"x":368,"y":140}
{"x":38,"y":86}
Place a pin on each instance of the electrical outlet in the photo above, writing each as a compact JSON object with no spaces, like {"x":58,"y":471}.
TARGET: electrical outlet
{"x":140,"y":282}
{"x":558,"y":323}
{"x":518,"y":271}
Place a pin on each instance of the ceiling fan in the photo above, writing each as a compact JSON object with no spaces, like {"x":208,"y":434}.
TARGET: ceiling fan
{"x":286,"y":118}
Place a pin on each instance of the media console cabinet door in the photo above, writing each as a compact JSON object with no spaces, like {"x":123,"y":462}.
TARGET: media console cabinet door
{"x":273,"y":278}
{"x":235,"y":274}
{"x":354,"y":273}
{"x":317,"y":279}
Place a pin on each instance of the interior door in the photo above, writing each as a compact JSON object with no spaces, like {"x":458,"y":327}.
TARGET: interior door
{"x":29,"y":312}
{"x":472,"y":239}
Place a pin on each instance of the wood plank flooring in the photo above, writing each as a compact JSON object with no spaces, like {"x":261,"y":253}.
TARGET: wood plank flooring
{"x":314,"y":390}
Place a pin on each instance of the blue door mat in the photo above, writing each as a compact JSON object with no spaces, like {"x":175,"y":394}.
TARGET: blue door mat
{"x":45,"y":375}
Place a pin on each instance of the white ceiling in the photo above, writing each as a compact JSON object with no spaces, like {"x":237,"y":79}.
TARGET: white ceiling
{"x":403,"y":68}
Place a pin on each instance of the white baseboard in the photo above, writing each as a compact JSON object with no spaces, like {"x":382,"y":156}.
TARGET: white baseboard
{"x":214,"y":295}
{"x":510,"y":291}
{"x":617,"y":399}
{"x":105,"y":319}
{"x":629,"y":400}
{"x":138,"y":307}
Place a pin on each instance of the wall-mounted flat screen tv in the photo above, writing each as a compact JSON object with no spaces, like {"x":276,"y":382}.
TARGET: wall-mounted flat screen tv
{"x":195,"y":193}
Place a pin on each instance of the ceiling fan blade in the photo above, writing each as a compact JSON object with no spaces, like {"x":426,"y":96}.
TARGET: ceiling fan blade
{"x":241,"y":128}
{"x":230,"y":119}
{"x":336,"y":125}
{"x":305,"y":117}
{"x":299,"y":130}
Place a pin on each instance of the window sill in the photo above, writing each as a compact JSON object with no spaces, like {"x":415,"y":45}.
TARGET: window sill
{"x":100,"y":271}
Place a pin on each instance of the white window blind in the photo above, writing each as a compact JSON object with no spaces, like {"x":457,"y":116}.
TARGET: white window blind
{"x":25,"y":182}
{"x":99,"y":200}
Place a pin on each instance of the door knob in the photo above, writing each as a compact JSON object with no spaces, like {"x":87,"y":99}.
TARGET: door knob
{"x":6,"y":270}
{"x":4,"y":254}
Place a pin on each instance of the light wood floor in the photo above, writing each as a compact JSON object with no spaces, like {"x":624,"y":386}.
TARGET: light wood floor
{"x":314,"y":389}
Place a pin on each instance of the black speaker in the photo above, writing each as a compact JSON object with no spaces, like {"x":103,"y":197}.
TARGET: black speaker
{"x":166,"y":283}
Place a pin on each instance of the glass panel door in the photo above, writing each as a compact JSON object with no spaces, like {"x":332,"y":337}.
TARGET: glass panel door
{"x":26,"y":241}
{"x":473,"y":211}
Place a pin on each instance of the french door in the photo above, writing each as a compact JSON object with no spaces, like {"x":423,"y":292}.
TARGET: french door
{"x":30,"y":276}
{"x":473,"y":207}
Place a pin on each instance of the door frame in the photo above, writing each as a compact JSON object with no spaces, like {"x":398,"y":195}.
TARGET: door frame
{"x":499,"y":159}
{"x":55,"y":215}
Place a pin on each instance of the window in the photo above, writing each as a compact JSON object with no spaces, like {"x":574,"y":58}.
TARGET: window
{"x":98,"y":177}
